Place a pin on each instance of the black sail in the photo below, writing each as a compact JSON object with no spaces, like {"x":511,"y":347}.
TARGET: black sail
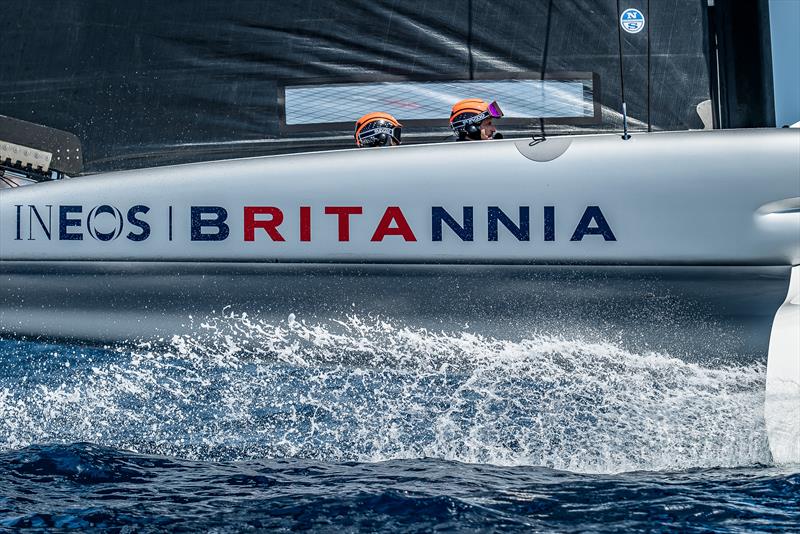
{"x":152,"y":83}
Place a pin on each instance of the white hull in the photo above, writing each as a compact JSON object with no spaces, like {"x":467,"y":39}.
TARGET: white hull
{"x":673,"y":242}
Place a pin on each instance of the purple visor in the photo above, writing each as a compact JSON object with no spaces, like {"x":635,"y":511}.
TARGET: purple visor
{"x":494,"y":110}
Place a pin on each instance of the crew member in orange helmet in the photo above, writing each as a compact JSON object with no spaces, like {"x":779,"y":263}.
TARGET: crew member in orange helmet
{"x":472,"y":120}
{"x":377,"y":129}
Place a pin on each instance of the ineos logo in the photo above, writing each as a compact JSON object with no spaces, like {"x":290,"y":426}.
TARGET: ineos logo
{"x":103,"y":222}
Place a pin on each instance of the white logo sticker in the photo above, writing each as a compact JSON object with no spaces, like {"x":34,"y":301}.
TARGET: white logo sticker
{"x":632,"y":20}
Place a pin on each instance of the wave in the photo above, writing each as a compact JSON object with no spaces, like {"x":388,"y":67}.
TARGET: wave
{"x":372,"y":389}
{"x":94,"y":488}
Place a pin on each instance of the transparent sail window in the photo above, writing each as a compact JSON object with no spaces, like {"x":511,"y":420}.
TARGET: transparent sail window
{"x":429,"y":102}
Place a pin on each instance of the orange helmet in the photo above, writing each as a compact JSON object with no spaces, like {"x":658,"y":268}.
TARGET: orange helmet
{"x":376,"y":129}
{"x":467,"y":115}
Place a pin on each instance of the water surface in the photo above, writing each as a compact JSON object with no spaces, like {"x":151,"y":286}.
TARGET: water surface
{"x":367,"y":424}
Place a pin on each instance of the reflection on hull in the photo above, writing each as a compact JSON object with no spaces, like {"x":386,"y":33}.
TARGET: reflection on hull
{"x":702,"y":313}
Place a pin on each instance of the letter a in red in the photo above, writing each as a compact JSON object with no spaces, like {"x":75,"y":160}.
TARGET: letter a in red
{"x":393,"y":213}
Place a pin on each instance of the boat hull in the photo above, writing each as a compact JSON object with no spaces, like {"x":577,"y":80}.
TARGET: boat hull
{"x":702,"y":314}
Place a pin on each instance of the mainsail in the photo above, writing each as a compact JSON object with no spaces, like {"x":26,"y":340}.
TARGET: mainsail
{"x":162,"y":82}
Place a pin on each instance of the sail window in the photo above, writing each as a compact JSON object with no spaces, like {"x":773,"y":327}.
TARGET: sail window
{"x":568,"y":98}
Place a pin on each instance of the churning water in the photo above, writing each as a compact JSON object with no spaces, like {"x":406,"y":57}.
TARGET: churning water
{"x":365,"y":423}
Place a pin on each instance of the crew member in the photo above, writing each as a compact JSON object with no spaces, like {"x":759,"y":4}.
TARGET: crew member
{"x":472,"y":120}
{"x":377,"y":129}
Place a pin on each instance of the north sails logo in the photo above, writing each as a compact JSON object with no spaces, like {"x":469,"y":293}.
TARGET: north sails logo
{"x":269,"y":223}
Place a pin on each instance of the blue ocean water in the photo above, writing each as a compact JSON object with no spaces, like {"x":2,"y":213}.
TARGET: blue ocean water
{"x":366,"y":425}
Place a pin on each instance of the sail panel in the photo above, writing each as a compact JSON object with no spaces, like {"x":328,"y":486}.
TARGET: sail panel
{"x":155,"y":82}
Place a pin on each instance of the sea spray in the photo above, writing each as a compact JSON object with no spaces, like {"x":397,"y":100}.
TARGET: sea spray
{"x":371,"y":389}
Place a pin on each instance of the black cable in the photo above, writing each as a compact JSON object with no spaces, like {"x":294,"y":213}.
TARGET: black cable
{"x":622,"y":76}
{"x":469,"y":41}
{"x":545,"y":53}
{"x":9,"y":183}
{"x":649,"y":123}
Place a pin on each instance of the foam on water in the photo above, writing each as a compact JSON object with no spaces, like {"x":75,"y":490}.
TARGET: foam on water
{"x":371,"y":390}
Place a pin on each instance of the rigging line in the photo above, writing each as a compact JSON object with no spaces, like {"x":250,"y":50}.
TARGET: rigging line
{"x":649,"y":123}
{"x":9,"y":183}
{"x":622,"y":76}
{"x":545,"y":53}
{"x":469,"y":41}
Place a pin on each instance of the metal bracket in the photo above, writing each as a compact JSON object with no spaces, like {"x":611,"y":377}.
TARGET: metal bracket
{"x":23,"y":156}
